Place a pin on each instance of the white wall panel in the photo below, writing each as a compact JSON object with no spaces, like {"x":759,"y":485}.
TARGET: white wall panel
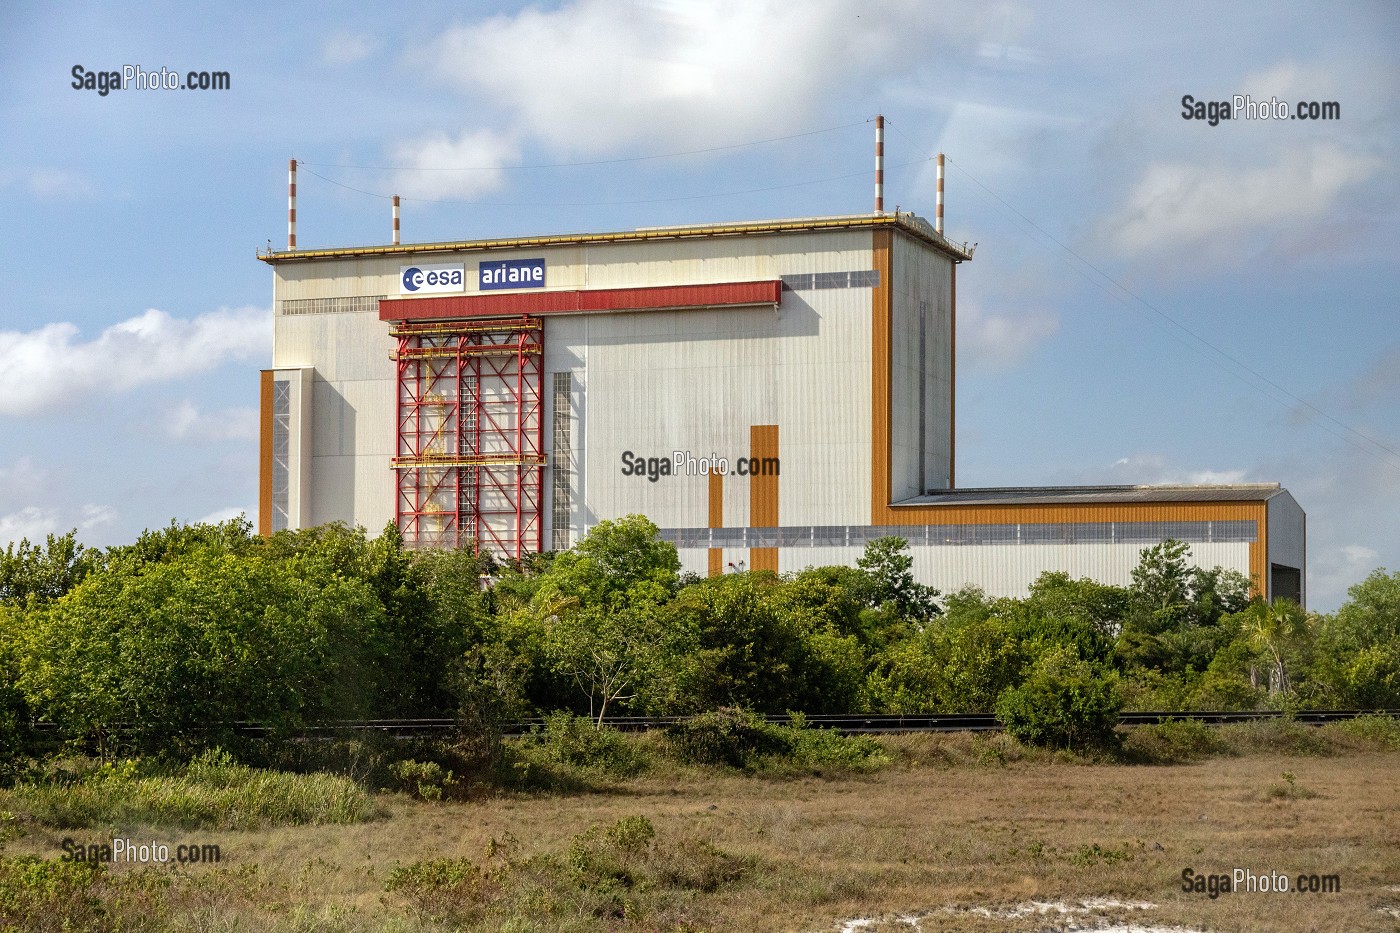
{"x":1009,"y":570}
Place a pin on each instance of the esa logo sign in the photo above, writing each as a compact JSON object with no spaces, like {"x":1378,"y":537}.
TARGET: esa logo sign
{"x":512,"y":273}
{"x":415,"y":280}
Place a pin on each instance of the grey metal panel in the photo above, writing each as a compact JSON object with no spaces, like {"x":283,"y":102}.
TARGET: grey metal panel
{"x":1288,"y":536}
{"x":921,"y":370}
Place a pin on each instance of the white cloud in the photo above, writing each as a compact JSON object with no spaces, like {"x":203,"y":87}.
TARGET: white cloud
{"x":1180,"y":206}
{"x":37,"y":524}
{"x":187,"y":421}
{"x":993,"y":341}
{"x":1154,"y":469}
{"x":1335,"y":569}
{"x":20,"y":481}
{"x":41,"y":369}
{"x":465,"y":167}
{"x":1290,"y":81}
{"x":345,"y":48}
{"x":599,"y":76}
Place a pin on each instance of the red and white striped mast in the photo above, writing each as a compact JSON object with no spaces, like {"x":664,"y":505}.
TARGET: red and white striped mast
{"x":879,"y":163}
{"x":292,"y":205}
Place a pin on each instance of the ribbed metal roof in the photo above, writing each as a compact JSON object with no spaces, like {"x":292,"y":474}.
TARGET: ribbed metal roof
{"x":911,"y":224}
{"x":1075,"y":495}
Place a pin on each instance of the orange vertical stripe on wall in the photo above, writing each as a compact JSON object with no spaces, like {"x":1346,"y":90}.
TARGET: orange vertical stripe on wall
{"x":265,"y":453}
{"x":763,"y":494}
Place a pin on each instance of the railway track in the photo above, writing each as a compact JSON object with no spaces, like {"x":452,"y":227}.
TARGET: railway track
{"x":847,"y":724}
{"x":862,"y":724}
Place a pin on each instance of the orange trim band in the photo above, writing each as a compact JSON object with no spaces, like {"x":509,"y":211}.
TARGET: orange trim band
{"x":882,"y":297}
{"x":265,"y":453}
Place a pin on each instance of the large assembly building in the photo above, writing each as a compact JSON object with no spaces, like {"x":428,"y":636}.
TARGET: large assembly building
{"x":773,"y":395}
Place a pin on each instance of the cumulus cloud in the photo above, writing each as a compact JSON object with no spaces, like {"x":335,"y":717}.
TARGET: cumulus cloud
{"x":1153,"y":469}
{"x":43,"y":368}
{"x":597,"y":76}
{"x":1181,"y":206}
{"x":439,"y":166}
{"x":20,"y":481}
{"x":1334,"y":569}
{"x":229,"y":424}
{"x":990,"y":340}
{"x":37,"y":523}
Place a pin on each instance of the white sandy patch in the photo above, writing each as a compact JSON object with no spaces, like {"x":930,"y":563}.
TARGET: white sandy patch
{"x":1078,"y":909}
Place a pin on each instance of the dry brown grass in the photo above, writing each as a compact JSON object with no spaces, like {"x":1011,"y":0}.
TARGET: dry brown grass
{"x":961,"y":823}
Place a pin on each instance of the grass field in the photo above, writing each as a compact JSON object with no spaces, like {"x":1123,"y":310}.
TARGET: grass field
{"x":959,"y":832}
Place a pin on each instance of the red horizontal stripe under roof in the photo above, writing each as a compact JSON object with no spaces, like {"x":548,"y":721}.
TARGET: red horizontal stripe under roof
{"x":584,"y":301}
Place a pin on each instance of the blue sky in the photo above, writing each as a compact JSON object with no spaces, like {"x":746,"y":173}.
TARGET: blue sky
{"x":134,"y":315}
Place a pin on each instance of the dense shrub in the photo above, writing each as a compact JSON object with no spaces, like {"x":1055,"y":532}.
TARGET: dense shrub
{"x":1065,"y":702}
{"x":425,"y":780}
{"x":728,"y":736}
{"x":45,"y":894}
{"x":577,"y":743}
{"x":741,"y":739}
{"x":1173,"y":740}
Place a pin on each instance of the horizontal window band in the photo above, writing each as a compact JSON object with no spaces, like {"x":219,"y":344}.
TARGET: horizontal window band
{"x":1233,"y":531}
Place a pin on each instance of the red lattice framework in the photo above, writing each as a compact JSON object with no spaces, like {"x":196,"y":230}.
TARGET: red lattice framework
{"x":469,"y":457}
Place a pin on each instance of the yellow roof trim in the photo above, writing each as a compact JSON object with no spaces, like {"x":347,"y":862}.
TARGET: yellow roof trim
{"x":907,"y":223}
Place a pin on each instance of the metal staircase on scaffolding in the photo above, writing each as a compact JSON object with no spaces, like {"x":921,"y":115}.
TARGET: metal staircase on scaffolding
{"x":469,"y":456}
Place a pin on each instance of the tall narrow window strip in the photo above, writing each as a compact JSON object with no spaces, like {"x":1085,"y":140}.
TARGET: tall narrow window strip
{"x":281,"y":454}
{"x":560,"y":461}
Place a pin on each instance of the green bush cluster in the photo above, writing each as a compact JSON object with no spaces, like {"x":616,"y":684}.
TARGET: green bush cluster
{"x":173,"y":644}
{"x":1064,"y":702}
{"x":49,"y":895}
{"x":741,"y":739}
{"x":566,"y":743}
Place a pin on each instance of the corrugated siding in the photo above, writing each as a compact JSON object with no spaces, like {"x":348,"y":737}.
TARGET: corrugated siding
{"x":1098,"y":512}
{"x":1287,"y":532}
{"x":1009,"y":570}
{"x":921,"y":360}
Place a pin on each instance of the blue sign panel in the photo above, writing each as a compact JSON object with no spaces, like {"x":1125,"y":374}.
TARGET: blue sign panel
{"x":512,"y":273}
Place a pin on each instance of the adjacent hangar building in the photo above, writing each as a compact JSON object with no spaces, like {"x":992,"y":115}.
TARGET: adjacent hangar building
{"x":773,"y":395}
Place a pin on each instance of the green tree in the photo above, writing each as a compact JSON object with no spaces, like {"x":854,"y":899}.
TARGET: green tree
{"x":960,"y":669}
{"x":601,"y":609}
{"x":168,"y":656}
{"x":1064,"y":702}
{"x":43,"y":572}
{"x":1056,"y":594}
{"x":611,"y":560}
{"x":889,"y":566}
{"x":1358,"y":648}
{"x":611,"y":656}
{"x":1281,"y":631}
{"x":1174,"y":611}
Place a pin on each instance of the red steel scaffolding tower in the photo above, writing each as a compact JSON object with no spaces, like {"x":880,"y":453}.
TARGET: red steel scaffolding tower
{"x":469,"y":457}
